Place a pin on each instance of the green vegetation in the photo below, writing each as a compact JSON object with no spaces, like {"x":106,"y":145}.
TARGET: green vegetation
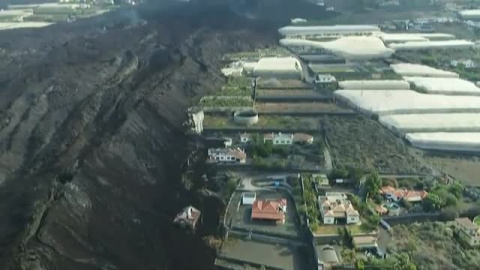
{"x":218,"y":102}
{"x":286,"y":122}
{"x":307,"y":200}
{"x":240,"y":82}
{"x":353,"y":173}
{"x":476,"y":220}
{"x":431,"y":246}
{"x":259,"y":147}
{"x":371,"y":219}
{"x":442,"y":196}
{"x":310,"y":199}
{"x":396,"y":261}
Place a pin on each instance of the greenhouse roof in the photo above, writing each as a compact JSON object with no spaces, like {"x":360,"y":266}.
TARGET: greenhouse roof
{"x":450,"y":141}
{"x":448,"y":86}
{"x":278,"y":64}
{"x":374,"y":84}
{"x":385,"y":102}
{"x":406,"y":69}
{"x":453,"y":122}
{"x":439,"y":44}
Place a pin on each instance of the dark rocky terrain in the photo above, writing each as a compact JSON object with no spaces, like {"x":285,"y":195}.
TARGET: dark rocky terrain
{"x":92,"y":143}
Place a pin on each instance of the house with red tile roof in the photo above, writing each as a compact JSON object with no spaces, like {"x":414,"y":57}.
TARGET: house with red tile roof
{"x":270,"y":210}
{"x":397,"y":194}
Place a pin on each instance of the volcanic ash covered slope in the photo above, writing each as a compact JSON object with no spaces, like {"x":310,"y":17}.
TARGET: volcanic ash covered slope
{"x":91,"y":137}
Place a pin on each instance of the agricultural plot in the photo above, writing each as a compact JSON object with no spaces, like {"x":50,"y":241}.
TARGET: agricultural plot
{"x":285,"y":95}
{"x":273,"y":83}
{"x":331,"y":68}
{"x":225,"y":102}
{"x":301,"y":108}
{"x":286,"y":123}
{"x":234,"y":91}
{"x":361,"y":142}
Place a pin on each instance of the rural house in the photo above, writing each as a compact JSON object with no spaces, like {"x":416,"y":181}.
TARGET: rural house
{"x":278,"y":138}
{"x":335,"y":208}
{"x":235,"y":155}
{"x":270,"y":210}
{"x":467,"y":231}
{"x":188,"y":217}
{"x":396,"y":195}
{"x":248,"y":198}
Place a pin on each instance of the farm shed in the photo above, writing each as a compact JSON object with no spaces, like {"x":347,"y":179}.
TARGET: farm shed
{"x":374,"y":84}
{"x":406,"y":69}
{"x":279,"y":67}
{"x":447,"y":141}
{"x":443,"y":122}
{"x":383,"y":102}
{"x":446,"y":86}
{"x":330,"y":30}
{"x":424,"y":45}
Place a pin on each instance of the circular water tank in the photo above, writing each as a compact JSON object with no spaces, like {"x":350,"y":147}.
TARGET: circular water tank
{"x":247,"y":117}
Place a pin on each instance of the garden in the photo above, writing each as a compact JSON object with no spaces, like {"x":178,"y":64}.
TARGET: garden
{"x":225,"y":102}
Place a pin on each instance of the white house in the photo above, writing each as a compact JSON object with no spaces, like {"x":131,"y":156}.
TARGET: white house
{"x":279,"y":138}
{"x":325,"y":78}
{"x":229,"y":155}
{"x":248,"y":198}
{"x":244,"y":138}
{"x":336,"y":208}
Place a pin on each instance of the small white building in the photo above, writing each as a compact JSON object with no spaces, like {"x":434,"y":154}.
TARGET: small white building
{"x":229,"y":155}
{"x":279,"y":138}
{"x":248,"y":198}
{"x":324,"y":78}
{"x":245,"y":137}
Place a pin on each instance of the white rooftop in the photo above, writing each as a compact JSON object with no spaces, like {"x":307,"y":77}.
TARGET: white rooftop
{"x":407,"y":69}
{"x":440,"y":44}
{"x":279,"y":64}
{"x":374,"y":84}
{"x":451,"y":122}
{"x":470,"y":14}
{"x":351,"y":47}
{"x":383,"y":102}
{"x":404,"y":37}
{"x":446,"y":86}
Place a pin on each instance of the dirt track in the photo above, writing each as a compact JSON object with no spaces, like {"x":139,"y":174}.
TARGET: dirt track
{"x":91,"y":137}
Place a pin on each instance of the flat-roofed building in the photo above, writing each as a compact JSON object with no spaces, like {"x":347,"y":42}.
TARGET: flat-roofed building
{"x":468,"y":231}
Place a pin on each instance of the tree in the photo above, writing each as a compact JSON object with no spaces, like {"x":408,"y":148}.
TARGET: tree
{"x":433,"y":202}
{"x":373,"y":184}
{"x":456,"y":188}
{"x":450,"y":200}
{"x":359,"y":265}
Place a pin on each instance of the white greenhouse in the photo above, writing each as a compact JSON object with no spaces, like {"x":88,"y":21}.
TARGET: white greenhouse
{"x":375,"y":85}
{"x":425,"y":45}
{"x":471,"y":14}
{"x":446,"y":86}
{"x":279,"y":67}
{"x":442,"y":122}
{"x":384,"y":102}
{"x":405,"y":37}
{"x":351,"y":48}
{"x":331,"y":30}
{"x":407,"y":69}
{"x":446,"y":141}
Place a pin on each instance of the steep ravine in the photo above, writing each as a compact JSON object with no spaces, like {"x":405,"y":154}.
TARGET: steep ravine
{"x":92,"y":143}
